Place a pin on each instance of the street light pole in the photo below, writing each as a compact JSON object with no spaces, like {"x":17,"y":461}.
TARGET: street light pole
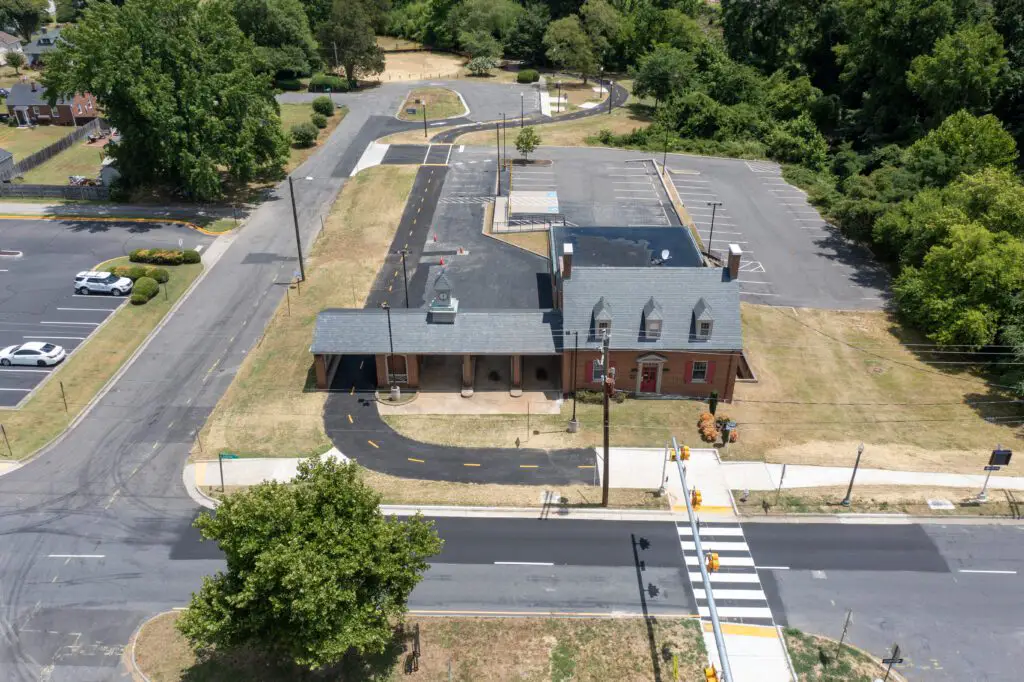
{"x":497,"y":141}
{"x":558,"y":104}
{"x":522,"y":108}
{"x":295,"y":220}
{"x":711,"y":237}
{"x":504,"y":136}
{"x":849,"y":491}
{"x":405,"y":276}
{"x":424,"y":119}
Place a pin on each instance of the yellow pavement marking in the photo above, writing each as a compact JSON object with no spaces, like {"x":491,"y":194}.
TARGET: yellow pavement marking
{"x":527,"y":466}
{"x":353,"y":390}
{"x":413,"y":459}
{"x":200,"y":473}
{"x":585,"y":466}
{"x":350,"y":419}
{"x":710,"y":509}
{"x":373,"y":444}
{"x":98,"y":219}
{"x":467,"y":464}
{"x":746,"y":630}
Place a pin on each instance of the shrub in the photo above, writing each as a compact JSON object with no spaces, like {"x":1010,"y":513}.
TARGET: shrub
{"x":597,"y":398}
{"x":304,"y":134}
{"x":135,"y":272}
{"x":325,"y":82}
{"x":319,"y":120}
{"x":324,"y":105}
{"x":190,"y":256}
{"x":158,"y":274}
{"x":146,"y":286}
{"x":734,"y":436}
{"x":289,"y":84}
{"x":139,"y":299}
{"x":527,"y":76}
{"x":481,"y":66}
{"x":157,"y":256}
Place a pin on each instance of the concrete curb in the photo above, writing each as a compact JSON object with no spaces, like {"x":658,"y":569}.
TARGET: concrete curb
{"x":881,"y":519}
{"x":188,"y":477}
{"x":136,"y":670}
{"x":226,"y":240}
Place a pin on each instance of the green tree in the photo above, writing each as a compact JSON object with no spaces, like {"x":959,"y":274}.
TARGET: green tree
{"x":525,"y":39}
{"x":961,"y":144}
{"x":604,"y":24}
{"x":24,"y":16}
{"x":662,"y":72}
{"x":527,"y":141}
{"x":178,"y":79}
{"x":15,"y":59}
{"x":314,"y":569}
{"x":1008,"y":19}
{"x":961,"y":72}
{"x":569,"y":47}
{"x":317,"y":11}
{"x":798,"y":141}
{"x":482,"y":25}
{"x":281,"y":32}
{"x":348,"y":40}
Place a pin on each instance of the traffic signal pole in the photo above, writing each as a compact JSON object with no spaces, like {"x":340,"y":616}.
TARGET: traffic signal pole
{"x":723,"y":655}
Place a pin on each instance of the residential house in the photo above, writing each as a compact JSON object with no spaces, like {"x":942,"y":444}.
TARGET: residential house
{"x":670,"y":322}
{"x":42,"y":43}
{"x":8,"y":43}
{"x":28,"y":104}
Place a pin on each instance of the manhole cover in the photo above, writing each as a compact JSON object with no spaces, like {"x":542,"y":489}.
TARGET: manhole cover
{"x":940,"y":505}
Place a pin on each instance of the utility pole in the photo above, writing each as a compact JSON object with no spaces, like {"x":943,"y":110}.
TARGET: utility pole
{"x":610,"y":96}
{"x":574,"y":425}
{"x":522,"y":108}
{"x":609,"y":386}
{"x":298,"y":237}
{"x":504,"y":136}
{"x":424,"y":119}
{"x":497,"y":136}
{"x":711,"y":237}
{"x":391,"y":356}
{"x":559,"y":101}
{"x":405,"y":276}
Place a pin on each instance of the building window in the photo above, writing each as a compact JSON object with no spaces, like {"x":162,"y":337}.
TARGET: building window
{"x":79,"y":108}
{"x":700,"y":372}
{"x":653,"y":329}
{"x":598,"y":371}
{"x":604,"y":327}
{"x":704,"y":330}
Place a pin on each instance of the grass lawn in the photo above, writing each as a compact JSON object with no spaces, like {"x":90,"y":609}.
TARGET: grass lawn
{"x":477,"y":649}
{"x":293,"y":114}
{"x":81,"y":158}
{"x":440,"y":103}
{"x":8,"y":76}
{"x":814,"y":659}
{"x":42,"y":418}
{"x":576,"y":133}
{"x":24,"y":141}
{"x":911,"y":500}
{"x":269,"y":409}
{"x":858,"y":384}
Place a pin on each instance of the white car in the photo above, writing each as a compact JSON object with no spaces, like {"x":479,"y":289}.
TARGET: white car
{"x":35,"y":353}
{"x":100,"y":282}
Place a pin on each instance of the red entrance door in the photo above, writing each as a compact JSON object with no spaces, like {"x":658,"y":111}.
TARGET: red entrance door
{"x":649,"y":379}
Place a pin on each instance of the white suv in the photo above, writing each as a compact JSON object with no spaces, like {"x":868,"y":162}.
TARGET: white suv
{"x":99,"y":282}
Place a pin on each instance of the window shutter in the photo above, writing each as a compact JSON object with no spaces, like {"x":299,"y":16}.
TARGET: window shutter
{"x":689,"y":371}
{"x":590,"y":371}
{"x":711,"y":372}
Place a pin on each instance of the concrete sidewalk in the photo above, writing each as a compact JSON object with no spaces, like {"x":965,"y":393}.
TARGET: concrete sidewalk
{"x":756,"y":653}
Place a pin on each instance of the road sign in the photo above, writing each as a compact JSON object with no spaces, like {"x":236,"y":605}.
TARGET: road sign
{"x":992,"y":468}
{"x":228,"y":455}
{"x":1000,"y":457}
{"x":891,"y":661}
{"x":410,"y":110}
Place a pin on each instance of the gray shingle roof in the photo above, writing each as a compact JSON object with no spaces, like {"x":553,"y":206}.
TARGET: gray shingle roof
{"x":498,"y":332}
{"x":43,"y":42}
{"x":652,"y":310}
{"x":22,"y":95}
{"x":677,"y":291}
{"x":702,"y":311}
{"x":4,"y":155}
{"x":8,"y":39}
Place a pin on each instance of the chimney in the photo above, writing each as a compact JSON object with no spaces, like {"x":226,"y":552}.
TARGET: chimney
{"x":566,"y":260}
{"x":735,"y":255}
{"x":33,"y":86}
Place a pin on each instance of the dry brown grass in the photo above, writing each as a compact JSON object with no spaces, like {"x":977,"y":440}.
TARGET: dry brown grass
{"x":417,"y":66}
{"x":440,"y":103}
{"x":270,"y":410}
{"x":911,"y":500}
{"x":535,"y":242}
{"x":574,"y":133}
{"x":477,"y":649}
{"x":91,"y":365}
{"x":389,"y":44}
{"x":818,"y":396}
{"x":814,"y":659}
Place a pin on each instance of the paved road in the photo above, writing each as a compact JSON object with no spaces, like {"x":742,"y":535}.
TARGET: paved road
{"x":907,"y":584}
{"x":581,"y":567}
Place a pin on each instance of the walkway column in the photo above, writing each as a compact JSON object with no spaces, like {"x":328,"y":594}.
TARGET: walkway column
{"x":467,"y":375}
{"x":412,"y":366}
{"x":517,"y":376}
{"x":320,"y":366}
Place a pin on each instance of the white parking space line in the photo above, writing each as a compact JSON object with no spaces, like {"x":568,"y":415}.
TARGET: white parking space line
{"x":36,"y":371}
{"x":91,"y":310}
{"x":60,"y":338}
{"x":692,"y":181}
{"x":718,"y":223}
{"x":755,"y":293}
{"x":91,"y":324}
{"x":697,"y":194}
{"x":18,"y":390}
{"x":752,"y":281}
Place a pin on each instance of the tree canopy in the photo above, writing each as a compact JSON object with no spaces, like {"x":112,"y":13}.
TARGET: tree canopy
{"x":314,"y":569}
{"x":281,"y":32}
{"x":24,"y":16}
{"x":181,"y":82}
{"x":348,"y":38}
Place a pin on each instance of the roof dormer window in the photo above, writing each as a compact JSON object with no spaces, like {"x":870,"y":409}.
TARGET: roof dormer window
{"x":652,"y":319}
{"x":602,"y":318}
{"x":704,"y":330}
{"x":703,"y":320}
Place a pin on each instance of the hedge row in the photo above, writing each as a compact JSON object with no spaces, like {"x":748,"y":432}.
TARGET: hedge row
{"x":136,"y":272}
{"x":325,"y":82}
{"x":164,"y":256}
{"x":597,"y":398}
{"x":145,"y":289}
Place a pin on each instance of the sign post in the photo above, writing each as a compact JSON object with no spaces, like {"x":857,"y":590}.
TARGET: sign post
{"x":999,"y":458}
{"x":220,"y":461}
{"x":895,"y":658}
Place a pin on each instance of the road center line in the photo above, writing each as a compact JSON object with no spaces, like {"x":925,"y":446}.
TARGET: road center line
{"x":523,"y":563}
{"x":76,"y":556}
{"x":978,"y":570}
{"x":773,"y":568}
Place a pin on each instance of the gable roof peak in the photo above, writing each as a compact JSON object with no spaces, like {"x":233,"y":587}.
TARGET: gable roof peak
{"x":652,"y":310}
{"x":702,"y":310}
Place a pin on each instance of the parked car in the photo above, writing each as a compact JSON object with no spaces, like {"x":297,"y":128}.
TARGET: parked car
{"x":101,"y":282}
{"x":4,"y":92}
{"x":34,"y":353}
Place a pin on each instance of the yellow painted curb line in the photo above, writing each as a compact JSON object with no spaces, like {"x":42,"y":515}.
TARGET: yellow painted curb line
{"x":200,"y":473}
{"x":105,"y":219}
{"x":746,"y":630}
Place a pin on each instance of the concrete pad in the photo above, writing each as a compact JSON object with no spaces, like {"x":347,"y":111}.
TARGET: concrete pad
{"x":762,"y":476}
{"x":372,"y":156}
{"x":756,"y":654}
{"x":481,"y":402}
{"x":252,"y":470}
{"x":638,"y":468}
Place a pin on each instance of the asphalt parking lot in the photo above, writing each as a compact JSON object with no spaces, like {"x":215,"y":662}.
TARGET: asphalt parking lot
{"x":37,"y":298}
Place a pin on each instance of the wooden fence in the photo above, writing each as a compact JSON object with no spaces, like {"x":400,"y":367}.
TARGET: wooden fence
{"x":48,"y":152}
{"x":55,"y":191}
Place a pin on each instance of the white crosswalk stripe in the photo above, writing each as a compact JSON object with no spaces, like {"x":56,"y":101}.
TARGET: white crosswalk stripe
{"x":736,"y":586}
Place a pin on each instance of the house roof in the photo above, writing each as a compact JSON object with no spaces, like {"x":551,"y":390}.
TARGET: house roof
{"x":45,"y":41}
{"x":8,"y":39}
{"x":677,"y":291}
{"x":702,"y":311}
{"x":496,"y":332}
{"x":652,"y":310}
{"x":4,"y":155}
{"x":22,"y":95}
